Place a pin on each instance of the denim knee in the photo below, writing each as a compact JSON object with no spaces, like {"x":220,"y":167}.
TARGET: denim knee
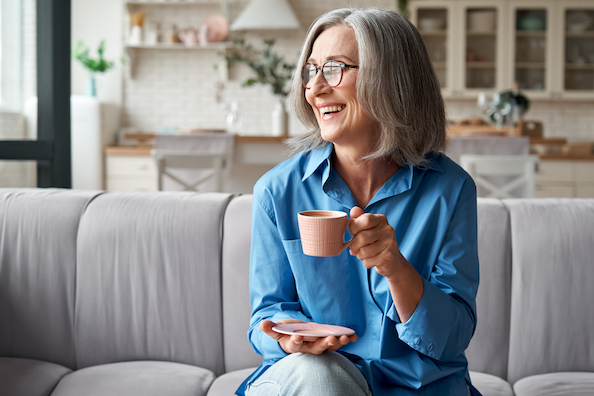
{"x":328,"y":374}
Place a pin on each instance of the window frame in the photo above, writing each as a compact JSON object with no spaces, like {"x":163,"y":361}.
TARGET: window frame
{"x":52,"y":148}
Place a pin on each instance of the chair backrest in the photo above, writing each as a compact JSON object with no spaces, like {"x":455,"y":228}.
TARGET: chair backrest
{"x":212,"y":165}
{"x":501,"y":176}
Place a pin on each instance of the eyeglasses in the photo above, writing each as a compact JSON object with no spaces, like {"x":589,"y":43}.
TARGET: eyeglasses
{"x":331,"y":73}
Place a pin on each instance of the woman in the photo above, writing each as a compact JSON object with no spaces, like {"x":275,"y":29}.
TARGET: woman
{"x":407,"y":285}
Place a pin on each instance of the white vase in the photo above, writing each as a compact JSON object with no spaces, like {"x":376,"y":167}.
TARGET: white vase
{"x":280,"y":118}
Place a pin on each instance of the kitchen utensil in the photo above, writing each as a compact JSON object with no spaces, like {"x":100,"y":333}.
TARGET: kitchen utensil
{"x":189,"y":36}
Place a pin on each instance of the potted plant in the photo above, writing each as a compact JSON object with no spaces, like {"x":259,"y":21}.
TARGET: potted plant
{"x":99,"y":65}
{"x":268,"y":68}
{"x":403,"y":7}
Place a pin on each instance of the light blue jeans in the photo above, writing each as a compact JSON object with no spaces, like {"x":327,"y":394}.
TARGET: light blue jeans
{"x":328,"y":374}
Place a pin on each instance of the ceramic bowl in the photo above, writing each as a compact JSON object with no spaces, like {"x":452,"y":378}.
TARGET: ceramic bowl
{"x":431,"y":23}
{"x":532,"y":24}
{"x":578,"y":21}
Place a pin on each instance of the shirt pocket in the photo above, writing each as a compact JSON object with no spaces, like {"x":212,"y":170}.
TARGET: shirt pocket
{"x":328,"y":287}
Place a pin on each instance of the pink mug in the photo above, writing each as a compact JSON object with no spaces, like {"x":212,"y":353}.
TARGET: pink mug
{"x":322,"y":232}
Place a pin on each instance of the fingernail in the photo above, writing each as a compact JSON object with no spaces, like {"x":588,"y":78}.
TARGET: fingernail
{"x":330,"y":344}
{"x":351,"y":252}
{"x":297,"y":342}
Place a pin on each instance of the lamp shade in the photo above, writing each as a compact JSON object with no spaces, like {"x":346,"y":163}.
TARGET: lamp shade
{"x":266,"y":14}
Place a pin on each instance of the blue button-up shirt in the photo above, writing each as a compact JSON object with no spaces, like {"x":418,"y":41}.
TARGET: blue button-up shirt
{"x":433,"y":211}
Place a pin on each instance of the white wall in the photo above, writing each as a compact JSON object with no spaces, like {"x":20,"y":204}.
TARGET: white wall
{"x":93,"y":21}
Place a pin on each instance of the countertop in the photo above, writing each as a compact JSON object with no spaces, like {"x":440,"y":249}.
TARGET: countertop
{"x":146,"y":149}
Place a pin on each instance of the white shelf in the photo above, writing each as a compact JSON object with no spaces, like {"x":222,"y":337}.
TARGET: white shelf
{"x":178,"y":46}
{"x":174,"y":3}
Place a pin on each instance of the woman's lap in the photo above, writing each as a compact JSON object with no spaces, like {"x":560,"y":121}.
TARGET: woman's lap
{"x":328,"y":374}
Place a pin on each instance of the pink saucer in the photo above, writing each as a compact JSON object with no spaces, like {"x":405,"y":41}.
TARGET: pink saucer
{"x":312,"y":331}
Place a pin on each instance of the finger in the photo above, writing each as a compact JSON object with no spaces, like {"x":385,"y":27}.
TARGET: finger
{"x":322,"y":344}
{"x":366,"y":241}
{"x":356,"y":212}
{"x":266,"y":326}
{"x":366,"y":221}
{"x":294,"y":344}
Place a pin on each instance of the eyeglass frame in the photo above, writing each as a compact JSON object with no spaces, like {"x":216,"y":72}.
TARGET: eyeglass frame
{"x":320,"y":67}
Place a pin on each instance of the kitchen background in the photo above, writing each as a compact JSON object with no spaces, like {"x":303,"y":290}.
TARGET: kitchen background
{"x":162,"y":89}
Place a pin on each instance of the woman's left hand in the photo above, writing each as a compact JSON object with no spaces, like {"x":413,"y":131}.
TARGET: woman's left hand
{"x":374,"y":242}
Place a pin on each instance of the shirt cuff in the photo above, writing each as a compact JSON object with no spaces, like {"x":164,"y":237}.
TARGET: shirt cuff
{"x":427,"y":330}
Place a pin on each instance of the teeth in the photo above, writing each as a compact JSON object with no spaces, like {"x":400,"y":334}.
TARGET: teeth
{"x":331,"y":109}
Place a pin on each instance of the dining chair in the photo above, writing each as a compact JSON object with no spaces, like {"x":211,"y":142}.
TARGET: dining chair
{"x":211,"y":166}
{"x":502,"y":176}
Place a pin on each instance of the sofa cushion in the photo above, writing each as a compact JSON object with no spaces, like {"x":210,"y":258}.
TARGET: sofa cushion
{"x":227,"y":384}
{"x":488,"y":349}
{"x":140,"y":378}
{"x":552,"y":292}
{"x":37,"y":272}
{"x":556,"y":384}
{"x":239,"y":353}
{"x":26,"y":377}
{"x":149,"y":279}
{"x":490,"y":385}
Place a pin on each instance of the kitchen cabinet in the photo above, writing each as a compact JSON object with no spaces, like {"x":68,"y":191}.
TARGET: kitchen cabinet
{"x":486,"y":45}
{"x":565,"y":178}
{"x":182,"y":14}
{"x":130,"y":169}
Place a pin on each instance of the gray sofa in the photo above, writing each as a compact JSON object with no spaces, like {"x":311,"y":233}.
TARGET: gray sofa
{"x":107,"y":293}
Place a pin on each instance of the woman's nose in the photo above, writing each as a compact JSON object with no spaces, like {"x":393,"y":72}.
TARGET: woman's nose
{"x":318,"y":85}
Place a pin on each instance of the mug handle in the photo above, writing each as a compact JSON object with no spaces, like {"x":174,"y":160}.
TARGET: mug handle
{"x":347,"y":243}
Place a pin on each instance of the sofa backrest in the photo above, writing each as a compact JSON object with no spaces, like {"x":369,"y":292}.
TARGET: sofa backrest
{"x":37,"y":272}
{"x":552,"y":308}
{"x":488,"y":349}
{"x":148,"y":279}
{"x":239,"y":353}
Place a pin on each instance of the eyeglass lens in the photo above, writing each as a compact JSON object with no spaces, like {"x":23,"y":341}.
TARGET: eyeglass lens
{"x":331,"y":73}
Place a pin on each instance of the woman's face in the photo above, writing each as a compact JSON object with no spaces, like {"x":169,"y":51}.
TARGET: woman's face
{"x":341,"y":119}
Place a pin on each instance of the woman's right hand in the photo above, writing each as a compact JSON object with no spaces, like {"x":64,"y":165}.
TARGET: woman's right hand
{"x":295,"y":343}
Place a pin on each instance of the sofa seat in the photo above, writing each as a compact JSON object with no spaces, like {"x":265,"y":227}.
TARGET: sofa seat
{"x":16,"y":375}
{"x":556,"y":384}
{"x":490,"y":385}
{"x":138,"y":378}
{"x":227,"y":384}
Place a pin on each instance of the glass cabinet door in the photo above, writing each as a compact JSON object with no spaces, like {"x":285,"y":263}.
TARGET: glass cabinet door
{"x":578,"y":50}
{"x":481,"y":48}
{"x":432,"y":23}
{"x":530,"y":57}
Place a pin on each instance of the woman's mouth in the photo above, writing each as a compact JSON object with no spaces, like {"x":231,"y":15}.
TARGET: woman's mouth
{"x":329,"y":112}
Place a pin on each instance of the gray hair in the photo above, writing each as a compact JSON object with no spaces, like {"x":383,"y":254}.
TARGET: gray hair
{"x":396,"y":86}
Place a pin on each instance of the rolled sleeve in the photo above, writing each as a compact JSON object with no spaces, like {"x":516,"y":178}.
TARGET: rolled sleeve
{"x":445,"y":318}
{"x":423,"y":331}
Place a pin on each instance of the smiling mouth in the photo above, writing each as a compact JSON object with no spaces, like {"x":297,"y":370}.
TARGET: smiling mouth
{"x":331,"y":109}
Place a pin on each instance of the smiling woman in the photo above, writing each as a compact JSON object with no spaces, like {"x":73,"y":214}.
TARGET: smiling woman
{"x":369,"y":96}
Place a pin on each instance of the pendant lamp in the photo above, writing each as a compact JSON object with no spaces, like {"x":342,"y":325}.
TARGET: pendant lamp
{"x":266,"y":15}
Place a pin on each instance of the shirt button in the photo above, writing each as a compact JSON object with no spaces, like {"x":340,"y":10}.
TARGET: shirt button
{"x":417,"y":340}
{"x":430,"y":347}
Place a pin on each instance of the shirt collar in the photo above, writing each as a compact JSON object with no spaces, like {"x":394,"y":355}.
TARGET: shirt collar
{"x":316,"y":158}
